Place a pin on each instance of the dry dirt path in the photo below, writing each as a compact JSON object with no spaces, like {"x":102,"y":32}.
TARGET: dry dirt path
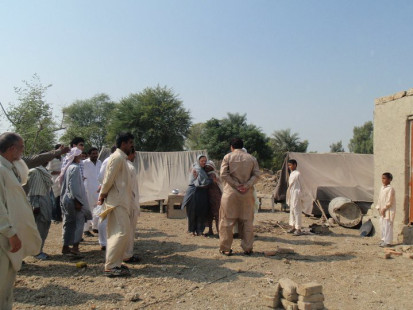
{"x":179,"y":271}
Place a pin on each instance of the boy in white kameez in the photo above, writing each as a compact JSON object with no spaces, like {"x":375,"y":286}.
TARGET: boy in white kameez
{"x":386,"y":205}
{"x":294,"y":194}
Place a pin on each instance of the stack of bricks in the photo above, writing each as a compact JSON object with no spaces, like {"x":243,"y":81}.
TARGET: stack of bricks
{"x":291,"y":296}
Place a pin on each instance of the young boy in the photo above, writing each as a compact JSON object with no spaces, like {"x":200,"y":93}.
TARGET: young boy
{"x":387,"y":209}
{"x":294,"y":198}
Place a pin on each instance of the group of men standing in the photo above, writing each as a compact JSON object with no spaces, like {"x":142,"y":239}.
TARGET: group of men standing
{"x":26,"y":212}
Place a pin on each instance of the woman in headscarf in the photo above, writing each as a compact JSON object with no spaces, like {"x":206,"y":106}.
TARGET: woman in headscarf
{"x":214,"y":196}
{"x":196,"y":197}
{"x":74,"y":203}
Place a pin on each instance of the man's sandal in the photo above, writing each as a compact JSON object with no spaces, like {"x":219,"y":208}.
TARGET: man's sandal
{"x":226,"y":253}
{"x":248,"y":252}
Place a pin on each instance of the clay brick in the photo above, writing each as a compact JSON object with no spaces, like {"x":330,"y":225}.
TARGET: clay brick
{"x":288,"y":304}
{"x":311,"y":298}
{"x":309,"y":289}
{"x":290,"y":297}
{"x":288,"y":286}
{"x":310,"y":305}
{"x":271,"y":301}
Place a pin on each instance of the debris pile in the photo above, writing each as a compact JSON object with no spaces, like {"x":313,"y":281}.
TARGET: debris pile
{"x":289,"y":295}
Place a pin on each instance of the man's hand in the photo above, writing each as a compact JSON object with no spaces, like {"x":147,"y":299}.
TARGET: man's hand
{"x":64,"y":149}
{"x":383,"y":212}
{"x":101,"y":198}
{"x":242,"y":188}
{"x":194,"y":173}
{"x":15,"y":243}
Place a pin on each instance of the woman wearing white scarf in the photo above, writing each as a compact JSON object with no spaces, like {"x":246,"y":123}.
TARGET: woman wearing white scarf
{"x":74,"y":203}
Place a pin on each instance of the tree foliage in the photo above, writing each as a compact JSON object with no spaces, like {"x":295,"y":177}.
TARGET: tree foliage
{"x":337,"y":147}
{"x":193,"y":141}
{"x":88,"y":119}
{"x":283,"y":141}
{"x":156,"y":117}
{"x":32,"y":117}
{"x":362,"y":141}
{"x":217,"y":134}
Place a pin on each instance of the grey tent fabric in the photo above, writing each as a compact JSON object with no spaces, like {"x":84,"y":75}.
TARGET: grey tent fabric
{"x":159,"y":173}
{"x":330,"y":175}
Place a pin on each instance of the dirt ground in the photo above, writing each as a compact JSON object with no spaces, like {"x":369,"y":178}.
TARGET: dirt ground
{"x":179,"y":271}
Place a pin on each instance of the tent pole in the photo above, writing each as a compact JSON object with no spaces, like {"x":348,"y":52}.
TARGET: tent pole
{"x":318,"y":204}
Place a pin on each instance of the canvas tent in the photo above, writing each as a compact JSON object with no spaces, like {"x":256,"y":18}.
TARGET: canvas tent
{"x":161,"y":172}
{"x":330,"y":175}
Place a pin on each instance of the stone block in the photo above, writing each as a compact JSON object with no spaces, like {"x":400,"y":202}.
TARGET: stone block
{"x":399,"y":95}
{"x":409,"y":92}
{"x":309,"y":289}
{"x":288,"y":286}
{"x":290,"y":297}
{"x":288,"y":304}
{"x":406,"y":235}
{"x":271,"y":301}
{"x":311,"y":298}
{"x":310,"y":305}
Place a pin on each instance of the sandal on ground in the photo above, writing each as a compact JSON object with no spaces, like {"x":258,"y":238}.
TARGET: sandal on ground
{"x":290,"y":231}
{"x":134,"y":259}
{"x":117,"y":272}
{"x":226,"y":253}
{"x":297,"y":233}
{"x":248,"y":252}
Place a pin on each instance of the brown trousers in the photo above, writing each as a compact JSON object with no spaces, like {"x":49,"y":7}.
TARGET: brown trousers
{"x":246,"y":232}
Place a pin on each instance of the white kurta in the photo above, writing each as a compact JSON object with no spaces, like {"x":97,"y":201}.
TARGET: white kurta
{"x":387,"y":201}
{"x":91,"y":175}
{"x":294,"y":201}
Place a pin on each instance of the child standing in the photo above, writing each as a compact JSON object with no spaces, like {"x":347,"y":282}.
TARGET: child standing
{"x":294,"y":198}
{"x":387,"y":209}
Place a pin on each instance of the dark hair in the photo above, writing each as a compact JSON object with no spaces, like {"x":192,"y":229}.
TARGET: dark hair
{"x":92,"y":149}
{"x":237,"y":143}
{"x":123,"y":137}
{"x":43,"y":151}
{"x":293,"y":161}
{"x":113,"y":149}
{"x":76,"y":141}
{"x":57,"y":146}
{"x":7,"y":140}
{"x":388,"y":175}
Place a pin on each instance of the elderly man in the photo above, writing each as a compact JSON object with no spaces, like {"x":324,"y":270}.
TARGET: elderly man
{"x":239,"y":171}
{"x":19,"y":236}
{"x":117,"y":190}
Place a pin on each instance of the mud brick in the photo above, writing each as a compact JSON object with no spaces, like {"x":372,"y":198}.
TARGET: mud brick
{"x":311,"y":298}
{"x":310,"y":305}
{"x":288,"y":304}
{"x":290,"y":297}
{"x":288,"y":286}
{"x":309,"y":289}
{"x":271,"y":301}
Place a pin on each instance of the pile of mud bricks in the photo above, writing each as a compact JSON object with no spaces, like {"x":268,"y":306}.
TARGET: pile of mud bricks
{"x":288,"y":295}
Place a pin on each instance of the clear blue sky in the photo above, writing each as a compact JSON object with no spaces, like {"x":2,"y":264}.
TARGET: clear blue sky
{"x":312,"y":66}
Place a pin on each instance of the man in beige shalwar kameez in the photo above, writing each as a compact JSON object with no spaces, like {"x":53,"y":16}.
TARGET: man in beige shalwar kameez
{"x":19,"y":236}
{"x":239,"y":171}
{"x":117,"y":192}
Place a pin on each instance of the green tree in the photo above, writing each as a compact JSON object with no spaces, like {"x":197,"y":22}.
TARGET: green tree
{"x":193,"y":141}
{"x":283,"y":141}
{"x":88,"y":119}
{"x":217,"y":135}
{"x":32,"y":117}
{"x":336,"y":147}
{"x":156,"y":117}
{"x":362,"y":141}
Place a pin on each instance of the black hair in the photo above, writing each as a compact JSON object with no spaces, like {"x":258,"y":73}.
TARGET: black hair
{"x":293,"y":161}
{"x":237,"y":143}
{"x":92,"y":149}
{"x":388,"y":175}
{"x":76,"y":141}
{"x":113,"y":149}
{"x":123,"y":137}
{"x":7,"y":140}
{"x":57,"y":146}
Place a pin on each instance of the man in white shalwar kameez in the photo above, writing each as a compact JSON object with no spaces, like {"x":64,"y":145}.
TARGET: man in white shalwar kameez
{"x":386,"y":205}
{"x":91,"y":169}
{"x":294,"y":198}
{"x":135,"y":209}
{"x":116,"y":192}
{"x":19,"y":236}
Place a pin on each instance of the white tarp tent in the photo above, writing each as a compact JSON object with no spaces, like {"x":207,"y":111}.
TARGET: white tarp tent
{"x":161,"y":172}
